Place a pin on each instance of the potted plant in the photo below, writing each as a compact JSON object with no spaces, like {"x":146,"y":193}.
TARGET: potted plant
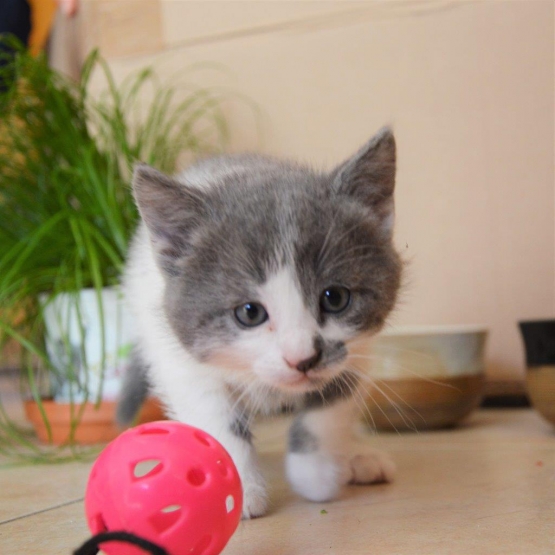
{"x":66,"y":217}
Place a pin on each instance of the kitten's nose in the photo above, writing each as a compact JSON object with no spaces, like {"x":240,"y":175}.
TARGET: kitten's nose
{"x":306,"y":364}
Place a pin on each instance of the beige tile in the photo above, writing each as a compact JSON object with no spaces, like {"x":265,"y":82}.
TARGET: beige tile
{"x":56,"y":532}
{"x":487,"y":487}
{"x":472,"y":490}
{"x":27,"y":489}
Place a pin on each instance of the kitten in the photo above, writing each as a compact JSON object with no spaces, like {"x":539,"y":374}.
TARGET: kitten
{"x":253,"y":281}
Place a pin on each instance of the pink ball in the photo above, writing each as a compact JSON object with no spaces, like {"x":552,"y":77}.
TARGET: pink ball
{"x":169,"y":483}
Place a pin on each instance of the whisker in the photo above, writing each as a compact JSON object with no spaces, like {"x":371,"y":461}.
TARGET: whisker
{"x":354,"y":387}
{"x":351,"y":253}
{"x":346,"y":260}
{"x":405,"y":369}
{"x":340,"y":237}
{"x":323,"y":253}
{"x":385,"y":384}
{"x":244,"y":408}
{"x":350,"y":230}
{"x":361,"y":385}
{"x":405,"y":350}
{"x":405,"y":418}
{"x":370,"y":397}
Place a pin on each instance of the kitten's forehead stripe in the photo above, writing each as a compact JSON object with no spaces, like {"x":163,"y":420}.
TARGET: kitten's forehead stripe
{"x":294,"y":325}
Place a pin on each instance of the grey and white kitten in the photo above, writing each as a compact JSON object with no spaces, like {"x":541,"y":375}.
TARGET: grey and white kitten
{"x":253,"y":282}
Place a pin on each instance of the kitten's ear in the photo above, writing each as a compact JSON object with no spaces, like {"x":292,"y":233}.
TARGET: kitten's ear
{"x":369,"y":177}
{"x":170,"y":210}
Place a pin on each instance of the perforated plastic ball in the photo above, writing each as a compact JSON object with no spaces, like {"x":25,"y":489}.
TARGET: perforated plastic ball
{"x":169,"y":483}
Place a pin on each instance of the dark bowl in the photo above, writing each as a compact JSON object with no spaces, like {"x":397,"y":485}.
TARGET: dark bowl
{"x":539,"y":343}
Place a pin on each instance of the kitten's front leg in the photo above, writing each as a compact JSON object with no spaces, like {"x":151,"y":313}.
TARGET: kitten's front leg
{"x":212,"y":411}
{"x":239,"y":446}
{"x":323,"y":455}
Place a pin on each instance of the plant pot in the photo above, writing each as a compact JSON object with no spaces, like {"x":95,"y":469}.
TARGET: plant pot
{"x":88,"y":341}
{"x":97,"y":424}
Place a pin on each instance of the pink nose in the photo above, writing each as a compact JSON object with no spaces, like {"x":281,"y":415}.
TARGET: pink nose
{"x":306,"y":364}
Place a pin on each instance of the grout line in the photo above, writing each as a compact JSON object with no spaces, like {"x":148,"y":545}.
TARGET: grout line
{"x":54,"y":507}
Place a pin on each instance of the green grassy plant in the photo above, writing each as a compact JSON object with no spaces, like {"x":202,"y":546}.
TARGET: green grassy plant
{"x":66,"y":213}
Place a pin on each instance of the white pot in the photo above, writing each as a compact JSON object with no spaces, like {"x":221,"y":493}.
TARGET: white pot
{"x":90,"y":351}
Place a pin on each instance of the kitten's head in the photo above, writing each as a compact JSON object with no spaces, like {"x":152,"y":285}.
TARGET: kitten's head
{"x":272,"y":270}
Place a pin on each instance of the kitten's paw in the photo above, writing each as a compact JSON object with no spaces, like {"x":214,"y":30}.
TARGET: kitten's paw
{"x":255,"y":498}
{"x":371,"y":468}
{"x":316,"y":476}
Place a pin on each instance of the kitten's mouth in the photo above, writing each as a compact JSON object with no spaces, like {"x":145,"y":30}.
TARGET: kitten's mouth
{"x":312,"y":380}
{"x":298,"y":381}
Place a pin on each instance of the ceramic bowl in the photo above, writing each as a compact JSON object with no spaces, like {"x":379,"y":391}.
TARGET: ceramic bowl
{"x":425,"y":377}
{"x":539,"y":342}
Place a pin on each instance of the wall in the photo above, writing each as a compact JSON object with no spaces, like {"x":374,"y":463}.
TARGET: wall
{"x":469,"y":88}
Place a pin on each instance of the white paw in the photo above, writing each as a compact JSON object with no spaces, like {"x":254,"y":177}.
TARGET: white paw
{"x":255,"y":498}
{"x":316,"y":476}
{"x":370,"y":468}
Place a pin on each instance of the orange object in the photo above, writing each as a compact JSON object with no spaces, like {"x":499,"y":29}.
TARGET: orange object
{"x":97,"y":424}
{"x":42,"y":19}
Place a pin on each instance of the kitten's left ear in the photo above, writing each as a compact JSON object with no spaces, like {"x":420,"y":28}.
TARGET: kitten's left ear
{"x":369,"y":177}
{"x":171,"y":211}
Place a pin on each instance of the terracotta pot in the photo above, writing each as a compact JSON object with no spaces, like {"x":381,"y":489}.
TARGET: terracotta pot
{"x":97,"y":424}
{"x":91,"y":336}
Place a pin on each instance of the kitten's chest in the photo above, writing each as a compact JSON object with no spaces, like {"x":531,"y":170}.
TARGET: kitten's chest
{"x":260,"y":399}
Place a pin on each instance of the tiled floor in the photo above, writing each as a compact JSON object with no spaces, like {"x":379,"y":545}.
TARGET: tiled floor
{"x":485,"y":488}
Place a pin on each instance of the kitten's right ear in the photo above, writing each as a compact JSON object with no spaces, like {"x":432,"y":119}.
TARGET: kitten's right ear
{"x":369,"y":177}
{"x":170,"y":210}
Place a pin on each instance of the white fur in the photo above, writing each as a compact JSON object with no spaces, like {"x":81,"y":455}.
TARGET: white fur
{"x":339,"y":460}
{"x":291,"y":323}
{"x":198,"y":393}
{"x":319,"y":476}
{"x":191,"y":392}
{"x":274,"y":348}
{"x":315,"y":476}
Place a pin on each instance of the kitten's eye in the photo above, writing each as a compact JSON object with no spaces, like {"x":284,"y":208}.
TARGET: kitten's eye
{"x":251,"y":314}
{"x":335,"y":299}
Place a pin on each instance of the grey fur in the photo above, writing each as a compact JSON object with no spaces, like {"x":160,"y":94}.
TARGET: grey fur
{"x":134,"y":390}
{"x":300,"y":438}
{"x":342,"y":387}
{"x":240,"y":427}
{"x":216,"y":242}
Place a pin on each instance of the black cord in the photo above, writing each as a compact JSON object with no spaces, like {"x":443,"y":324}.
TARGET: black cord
{"x":91,"y":547}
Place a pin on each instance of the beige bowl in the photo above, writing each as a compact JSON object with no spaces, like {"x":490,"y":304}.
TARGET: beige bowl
{"x":425,"y":377}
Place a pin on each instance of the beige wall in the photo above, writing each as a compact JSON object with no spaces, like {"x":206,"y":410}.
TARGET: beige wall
{"x":469,"y":87}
